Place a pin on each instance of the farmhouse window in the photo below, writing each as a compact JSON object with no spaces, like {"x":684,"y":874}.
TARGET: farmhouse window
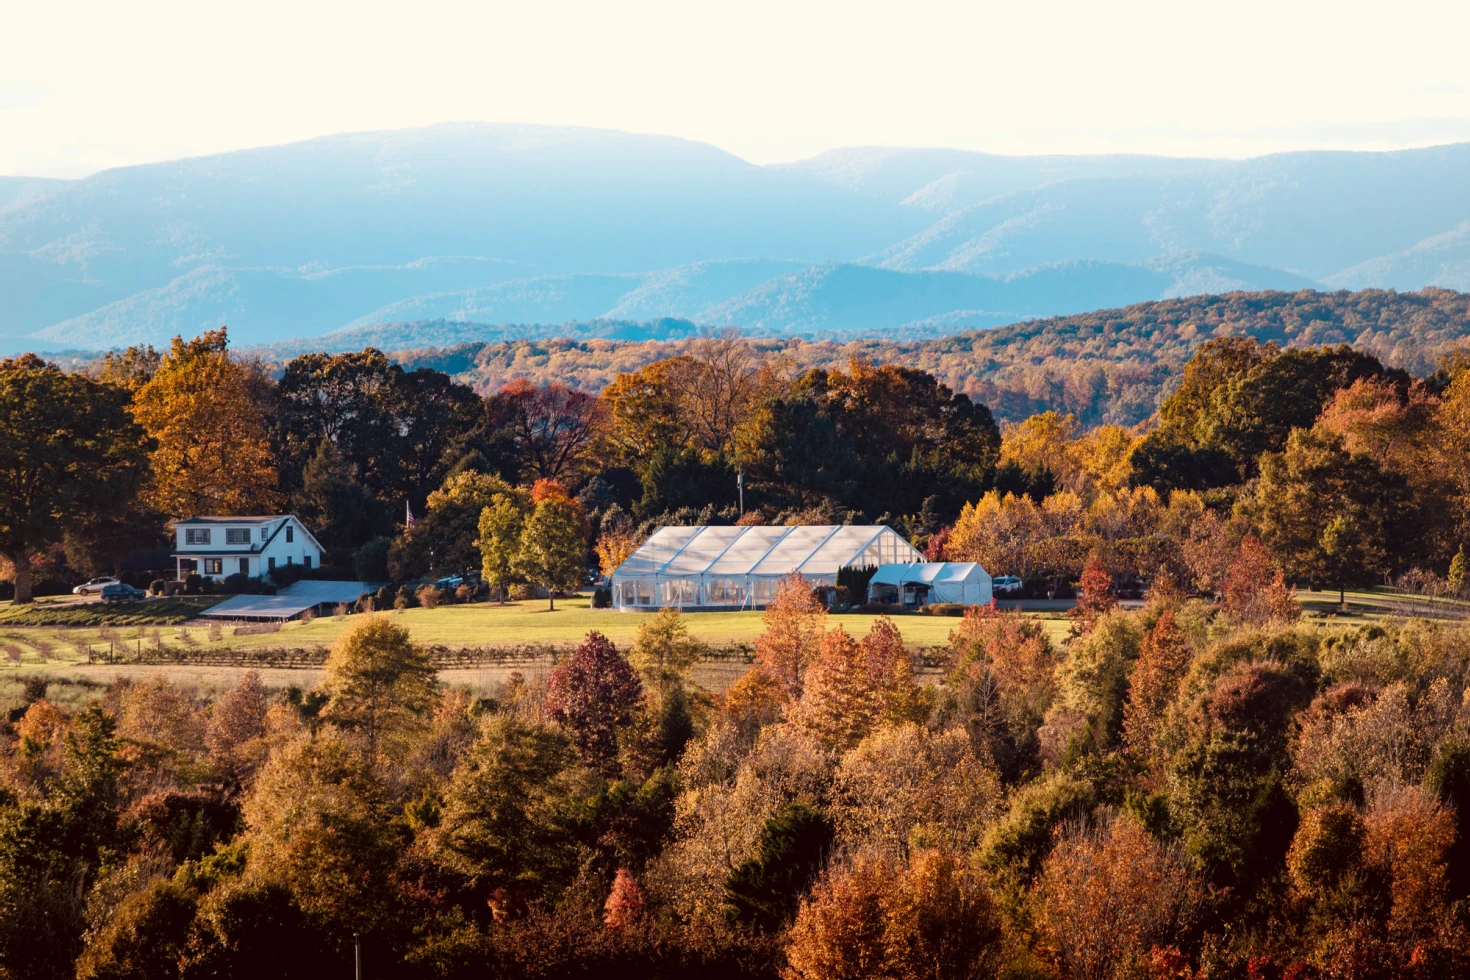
{"x":196,"y":535}
{"x":290,"y":534}
{"x":214,"y":566}
{"x":237,"y":535}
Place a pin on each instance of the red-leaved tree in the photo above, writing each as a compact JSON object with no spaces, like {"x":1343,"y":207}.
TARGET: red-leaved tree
{"x":593,"y":695}
{"x":1095,"y":596}
{"x":1255,"y":588}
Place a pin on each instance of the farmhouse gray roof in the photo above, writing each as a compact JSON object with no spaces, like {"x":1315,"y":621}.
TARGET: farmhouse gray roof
{"x":254,"y":519}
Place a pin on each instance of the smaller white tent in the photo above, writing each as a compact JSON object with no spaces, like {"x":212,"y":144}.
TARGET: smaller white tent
{"x":923,"y":583}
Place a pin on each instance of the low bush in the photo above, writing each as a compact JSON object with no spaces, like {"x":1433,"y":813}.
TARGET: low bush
{"x":284,"y":575}
{"x":602,"y":598}
{"x":242,"y":584}
{"x":157,"y":587}
{"x":944,"y":609}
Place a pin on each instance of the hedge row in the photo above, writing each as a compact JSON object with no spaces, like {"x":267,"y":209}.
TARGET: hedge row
{"x":442,"y":657}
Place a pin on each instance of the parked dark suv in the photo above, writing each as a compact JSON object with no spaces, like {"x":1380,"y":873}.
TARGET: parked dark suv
{"x":122,"y":593}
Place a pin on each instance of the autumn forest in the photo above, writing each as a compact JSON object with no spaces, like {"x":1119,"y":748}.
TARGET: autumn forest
{"x":1195,"y":781}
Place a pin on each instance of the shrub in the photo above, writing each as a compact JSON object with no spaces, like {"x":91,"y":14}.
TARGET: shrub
{"x":193,"y":583}
{"x":464,"y":593}
{"x":370,"y":563}
{"x":284,"y":575}
{"x":242,"y":584}
{"x":157,"y":587}
{"x":945,"y":609}
{"x":601,"y":598}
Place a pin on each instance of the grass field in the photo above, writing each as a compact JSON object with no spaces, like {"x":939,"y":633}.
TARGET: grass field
{"x":67,"y":611}
{"x":26,"y":647}
{"x":481,"y":624}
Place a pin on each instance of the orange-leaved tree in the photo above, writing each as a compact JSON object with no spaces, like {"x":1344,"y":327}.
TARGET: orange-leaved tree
{"x":1095,"y":596}
{"x":1109,"y":895}
{"x":855,"y":686}
{"x":1255,"y":588}
{"x":795,"y":622}
{"x":1162,"y":661}
{"x":1015,"y":653}
{"x":207,"y":412}
{"x":875,"y":917}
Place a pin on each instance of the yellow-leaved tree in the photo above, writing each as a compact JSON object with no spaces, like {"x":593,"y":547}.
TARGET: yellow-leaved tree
{"x":207,"y":412}
{"x":379,"y":684}
{"x":664,"y":652}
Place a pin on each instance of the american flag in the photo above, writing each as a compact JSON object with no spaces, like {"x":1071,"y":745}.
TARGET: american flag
{"x":408,"y":514}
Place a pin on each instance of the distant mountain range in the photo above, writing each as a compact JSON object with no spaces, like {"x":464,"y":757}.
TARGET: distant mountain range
{"x":535,"y":229}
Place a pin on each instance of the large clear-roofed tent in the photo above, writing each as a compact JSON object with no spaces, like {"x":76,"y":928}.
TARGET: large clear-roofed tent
{"x":740,"y":567}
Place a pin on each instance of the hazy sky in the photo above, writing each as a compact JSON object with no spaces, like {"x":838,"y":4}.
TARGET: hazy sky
{"x":88,"y":85}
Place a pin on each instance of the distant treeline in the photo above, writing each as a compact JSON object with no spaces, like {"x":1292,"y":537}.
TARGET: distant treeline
{"x":1106,"y":367}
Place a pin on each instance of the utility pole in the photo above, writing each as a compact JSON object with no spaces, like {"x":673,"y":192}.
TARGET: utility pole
{"x":357,"y":955}
{"x":740,"y":482}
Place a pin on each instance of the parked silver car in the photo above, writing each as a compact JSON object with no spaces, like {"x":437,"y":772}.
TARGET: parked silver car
{"x":95,"y":586}
{"x":1005,"y":585}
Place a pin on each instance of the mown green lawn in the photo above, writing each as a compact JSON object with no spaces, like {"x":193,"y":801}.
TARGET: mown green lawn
{"x":481,"y":624}
{"x":515,"y":624}
{"x":66,"y":611}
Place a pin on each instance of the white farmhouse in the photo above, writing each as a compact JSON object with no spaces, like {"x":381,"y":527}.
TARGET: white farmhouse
{"x":216,"y":547}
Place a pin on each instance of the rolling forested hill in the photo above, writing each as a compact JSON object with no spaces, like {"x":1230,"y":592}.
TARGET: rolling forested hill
{"x":1109,"y":366}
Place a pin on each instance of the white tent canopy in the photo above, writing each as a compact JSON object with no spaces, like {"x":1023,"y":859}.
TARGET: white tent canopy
{"x":921,"y":583}
{"x":739,"y":567}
